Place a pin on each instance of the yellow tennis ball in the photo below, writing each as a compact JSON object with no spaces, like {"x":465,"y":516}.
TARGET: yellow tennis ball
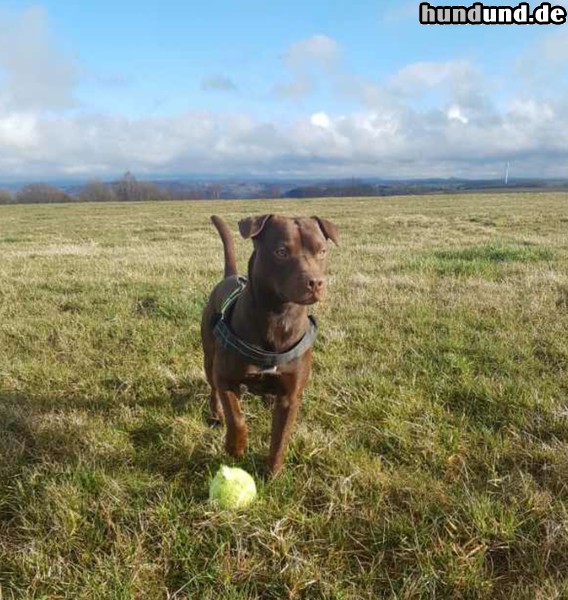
{"x":232,"y":488}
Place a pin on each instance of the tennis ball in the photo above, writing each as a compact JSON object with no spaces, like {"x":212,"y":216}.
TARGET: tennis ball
{"x":232,"y":488}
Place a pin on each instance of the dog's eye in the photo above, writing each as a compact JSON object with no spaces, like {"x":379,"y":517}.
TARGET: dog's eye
{"x":281,"y":252}
{"x":322,"y":253}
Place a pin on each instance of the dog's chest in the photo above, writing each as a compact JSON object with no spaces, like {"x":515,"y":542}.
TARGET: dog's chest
{"x":264,"y":381}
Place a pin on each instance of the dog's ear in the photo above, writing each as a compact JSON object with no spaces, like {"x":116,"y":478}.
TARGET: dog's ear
{"x":252,"y":226}
{"x":328,"y":229}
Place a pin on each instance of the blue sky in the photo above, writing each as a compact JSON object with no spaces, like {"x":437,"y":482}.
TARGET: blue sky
{"x":318,"y":89}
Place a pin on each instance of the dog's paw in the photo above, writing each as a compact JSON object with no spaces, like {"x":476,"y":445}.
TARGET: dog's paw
{"x":215,"y":420}
{"x":274,"y":469}
{"x":236,"y":448}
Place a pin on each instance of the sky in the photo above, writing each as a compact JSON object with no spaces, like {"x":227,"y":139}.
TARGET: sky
{"x":251,"y":88}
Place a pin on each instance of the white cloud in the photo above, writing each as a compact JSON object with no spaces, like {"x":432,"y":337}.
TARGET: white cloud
{"x":306,"y":61}
{"x":319,"y":50}
{"x":455,"y":114}
{"x":18,"y":131}
{"x":418,"y":77}
{"x":541,"y":68}
{"x":401,"y":142}
{"x":297,"y":88}
{"x":37,"y":74}
{"x":218,"y":83}
{"x":391,"y":133}
{"x":320,"y":119}
{"x":555,"y":47}
{"x":459,"y":77}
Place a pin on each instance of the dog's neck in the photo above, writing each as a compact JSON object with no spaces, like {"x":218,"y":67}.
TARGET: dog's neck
{"x":262,"y":318}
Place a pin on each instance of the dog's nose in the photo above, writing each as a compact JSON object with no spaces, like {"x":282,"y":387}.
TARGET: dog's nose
{"x":315,"y":284}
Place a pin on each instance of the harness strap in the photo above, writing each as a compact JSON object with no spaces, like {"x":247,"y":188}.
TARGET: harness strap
{"x":232,"y":297}
{"x":252,"y":353}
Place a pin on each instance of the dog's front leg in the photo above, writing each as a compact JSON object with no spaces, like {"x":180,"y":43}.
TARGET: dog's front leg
{"x":236,"y":438}
{"x":284,"y":414}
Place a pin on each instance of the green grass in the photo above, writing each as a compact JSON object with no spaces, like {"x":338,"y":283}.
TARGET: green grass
{"x":431,"y":455}
{"x":483,"y":260}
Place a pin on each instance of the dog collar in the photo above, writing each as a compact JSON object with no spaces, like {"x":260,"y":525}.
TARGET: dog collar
{"x":252,"y":353}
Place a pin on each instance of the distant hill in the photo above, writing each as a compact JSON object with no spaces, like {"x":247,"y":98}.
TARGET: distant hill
{"x":128,"y":188}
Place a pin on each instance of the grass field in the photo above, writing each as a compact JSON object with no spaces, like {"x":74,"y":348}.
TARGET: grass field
{"x":431,"y":455}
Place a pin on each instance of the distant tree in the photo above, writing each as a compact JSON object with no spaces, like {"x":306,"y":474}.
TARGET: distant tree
{"x":214,"y":191}
{"x":150,"y":191}
{"x":125,"y":188}
{"x":129,"y":189}
{"x":97,"y":191}
{"x":189,"y":193}
{"x":273,"y":191}
{"x":6,"y":197}
{"x":42,"y":193}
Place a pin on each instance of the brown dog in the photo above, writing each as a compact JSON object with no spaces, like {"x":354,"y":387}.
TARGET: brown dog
{"x":258,"y":334}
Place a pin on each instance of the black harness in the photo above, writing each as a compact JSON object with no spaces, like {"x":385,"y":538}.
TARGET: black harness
{"x":254,"y":354}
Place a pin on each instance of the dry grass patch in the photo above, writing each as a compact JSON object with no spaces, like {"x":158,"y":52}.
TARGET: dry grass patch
{"x":430,"y":457}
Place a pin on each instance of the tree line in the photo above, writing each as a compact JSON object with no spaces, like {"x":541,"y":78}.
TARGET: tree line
{"x":126,"y":189}
{"x":129,"y":189}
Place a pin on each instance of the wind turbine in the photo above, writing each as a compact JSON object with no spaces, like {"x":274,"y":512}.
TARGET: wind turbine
{"x":507,"y":173}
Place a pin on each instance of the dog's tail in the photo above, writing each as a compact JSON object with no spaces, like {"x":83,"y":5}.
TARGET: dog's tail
{"x":228,"y":245}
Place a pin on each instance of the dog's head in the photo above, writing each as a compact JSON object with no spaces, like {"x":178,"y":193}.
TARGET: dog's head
{"x":290,"y":255}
